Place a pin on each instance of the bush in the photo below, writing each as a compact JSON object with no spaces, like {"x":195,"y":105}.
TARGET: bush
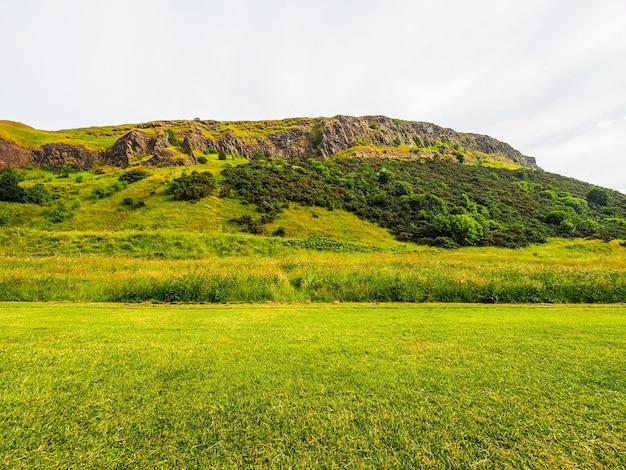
{"x":221,"y":155}
{"x":171,"y":137}
{"x":598,"y":196}
{"x":401,"y":188}
{"x":10,"y":190}
{"x":36,"y":194}
{"x":202,"y":160}
{"x":192,"y":187}
{"x":60,"y":213}
{"x":280,"y":232}
{"x":101,"y":193}
{"x":133,"y":176}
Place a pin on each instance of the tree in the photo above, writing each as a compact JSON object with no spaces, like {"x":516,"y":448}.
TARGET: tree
{"x":10,"y":190}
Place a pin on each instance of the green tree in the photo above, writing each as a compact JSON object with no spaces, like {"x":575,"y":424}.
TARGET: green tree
{"x":10,"y":190}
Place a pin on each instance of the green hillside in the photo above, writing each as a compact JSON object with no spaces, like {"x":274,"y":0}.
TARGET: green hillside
{"x":376,"y":201}
{"x":371,"y":222}
{"x":381,"y":199}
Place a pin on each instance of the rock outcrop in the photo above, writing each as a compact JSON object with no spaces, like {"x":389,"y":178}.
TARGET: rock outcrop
{"x":289,"y":139}
{"x":157,"y":150}
{"x":324,"y":137}
{"x":14,"y":155}
{"x":128,"y":146}
{"x":57,"y":155}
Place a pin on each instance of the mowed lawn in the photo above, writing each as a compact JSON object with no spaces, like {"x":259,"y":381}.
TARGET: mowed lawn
{"x":312,"y":386}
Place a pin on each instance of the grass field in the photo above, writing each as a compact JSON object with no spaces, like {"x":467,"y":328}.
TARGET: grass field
{"x":221,"y":268}
{"x":312,"y":386}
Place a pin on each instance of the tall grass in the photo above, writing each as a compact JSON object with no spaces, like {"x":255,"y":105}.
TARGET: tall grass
{"x":238,"y":269}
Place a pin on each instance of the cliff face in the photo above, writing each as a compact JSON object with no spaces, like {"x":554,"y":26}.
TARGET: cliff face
{"x":166,"y":143}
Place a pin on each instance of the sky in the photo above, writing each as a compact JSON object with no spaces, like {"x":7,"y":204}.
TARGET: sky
{"x":546,"y":76}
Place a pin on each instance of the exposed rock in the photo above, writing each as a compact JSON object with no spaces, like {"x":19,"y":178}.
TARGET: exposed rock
{"x":324,"y":137}
{"x":14,"y":155}
{"x":290,"y":139}
{"x":163,"y":155}
{"x":57,"y":155}
{"x":128,"y":146}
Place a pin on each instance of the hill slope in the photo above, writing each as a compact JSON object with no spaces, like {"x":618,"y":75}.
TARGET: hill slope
{"x":166,"y":143}
{"x":371,"y":180}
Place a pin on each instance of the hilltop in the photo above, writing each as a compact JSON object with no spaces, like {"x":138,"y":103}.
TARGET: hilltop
{"x":175,"y":143}
{"x":358,"y":181}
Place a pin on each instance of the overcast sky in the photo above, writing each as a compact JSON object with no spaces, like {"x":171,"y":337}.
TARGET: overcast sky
{"x":546,"y":76}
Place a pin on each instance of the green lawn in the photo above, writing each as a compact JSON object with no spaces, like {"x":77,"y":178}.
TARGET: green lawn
{"x":312,"y":386}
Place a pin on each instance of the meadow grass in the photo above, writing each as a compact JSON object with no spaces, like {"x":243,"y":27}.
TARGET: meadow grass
{"x":193,"y":267}
{"x":312,"y":386}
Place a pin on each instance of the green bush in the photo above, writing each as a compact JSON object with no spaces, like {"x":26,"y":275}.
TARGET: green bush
{"x":192,"y":187}
{"x":104,"y":192}
{"x":598,"y":196}
{"x":221,"y":155}
{"x":172,"y":137}
{"x":10,"y":189}
{"x":36,"y":194}
{"x":133,"y":176}
{"x":60,"y":213}
{"x":202,"y":160}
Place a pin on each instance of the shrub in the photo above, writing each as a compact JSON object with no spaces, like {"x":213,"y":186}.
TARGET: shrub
{"x":171,"y":137}
{"x":202,"y":160}
{"x":60,"y":213}
{"x":36,"y":194}
{"x":10,"y":190}
{"x":101,"y":193}
{"x":192,"y":187}
{"x":280,"y":232}
{"x":598,"y":196}
{"x":221,"y":155}
{"x":445,"y":242}
{"x":401,"y":188}
{"x":133,"y":176}
{"x":316,"y":136}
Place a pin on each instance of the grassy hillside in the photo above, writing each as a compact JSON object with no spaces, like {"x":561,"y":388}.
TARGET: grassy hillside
{"x":372,"y":201}
{"x":438,"y":202}
{"x":343,"y":228}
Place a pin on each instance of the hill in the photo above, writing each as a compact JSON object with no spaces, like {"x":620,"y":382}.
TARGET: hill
{"x":371,"y":180}
{"x":167,"y":143}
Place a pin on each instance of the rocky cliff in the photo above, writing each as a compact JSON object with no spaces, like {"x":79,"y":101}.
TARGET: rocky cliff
{"x":166,"y":143}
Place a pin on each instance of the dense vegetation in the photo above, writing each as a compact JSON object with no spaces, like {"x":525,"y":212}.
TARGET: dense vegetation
{"x":437,"y":202}
{"x":11,"y":191}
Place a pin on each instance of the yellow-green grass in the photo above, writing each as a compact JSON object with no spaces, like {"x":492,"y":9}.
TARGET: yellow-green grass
{"x":312,"y":386}
{"x":168,"y":266}
{"x":161,"y":212}
{"x":92,"y":137}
